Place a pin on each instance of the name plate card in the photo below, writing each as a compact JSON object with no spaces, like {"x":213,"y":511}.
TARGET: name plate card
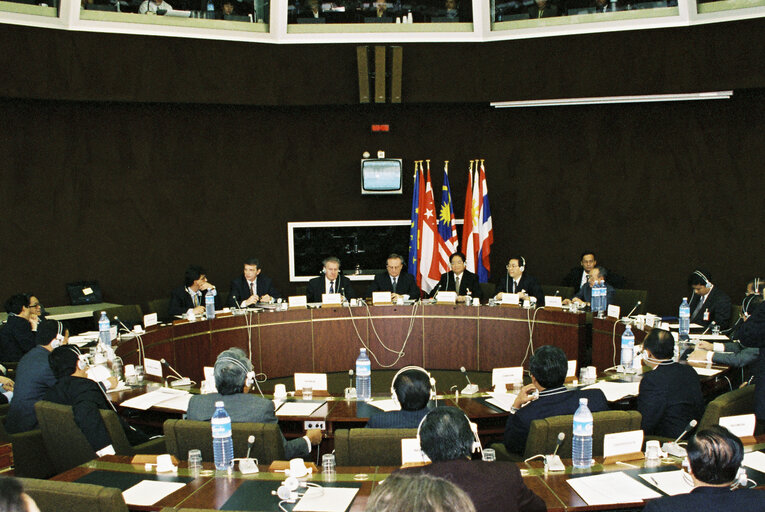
{"x":613,"y":311}
{"x":316,"y":381}
{"x":623,"y":443}
{"x":446,"y":297}
{"x":500,"y":377}
{"x":571,"y":369}
{"x":740,"y":426}
{"x":331,"y":299}
{"x":381,"y":298}
{"x":511,"y":298}
{"x":411,"y":453}
{"x":149,"y":320}
{"x":553,"y":301}
{"x":297,"y":301}
{"x":152,"y":367}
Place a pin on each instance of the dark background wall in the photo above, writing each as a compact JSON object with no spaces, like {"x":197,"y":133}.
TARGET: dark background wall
{"x":130,"y":192}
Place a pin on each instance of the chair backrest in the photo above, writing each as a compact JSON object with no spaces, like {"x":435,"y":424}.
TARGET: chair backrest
{"x":565,"y":291}
{"x":735,"y":313}
{"x":626,"y":300}
{"x":487,"y":290}
{"x":130,"y":315}
{"x":54,"y":496}
{"x":543,"y":434}
{"x":184,"y":435}
{"x":370,"y":446}
{"x":161,"y":307}
{"x":732,"y":403}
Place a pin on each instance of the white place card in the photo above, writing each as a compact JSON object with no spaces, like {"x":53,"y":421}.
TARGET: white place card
{"x":613,"y":311}
{"x":502,"y":376}
{"x":622,"y":443}
{"x":553,"y":301}
{"x":447,"y":297}
{"x":571,"y":372}
{"x":149,"y":320}
{"x":152,"y":367}
{"x":511,"y":298}
{"x":297,"y":301}
{"x":317,"y":381}
{"x":411,"y":452}
{"x":334,"y":299}
{"x":741,"y":425}
{"x":147,"y":492}
{"x":381,"y":298}
{"x":87,"y":291}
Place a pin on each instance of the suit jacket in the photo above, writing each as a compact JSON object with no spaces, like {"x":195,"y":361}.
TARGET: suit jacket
{"x":241,"y":290}
{"x":16,"y":339}
{"x":244,"y":408}
{"x":551,"y":402}
{"x":736,"y":355}
{"x":710,"y":499}
{"x":718,"y":305}
{"x":548,"y":12}
{"x":397,"y":419}
{"x":315,"y":288}
{"x":669,"y":398}
{"x":574,"y":279}
{"x":406,"y":285}
{"x":469,"y":282}
{"x":752,"y":334}
{"x":527,"y":282}
{"x":33,"y":379}
{"x":585,"y":293}
{"x":180,"y":301}
{"x":491,"y":486}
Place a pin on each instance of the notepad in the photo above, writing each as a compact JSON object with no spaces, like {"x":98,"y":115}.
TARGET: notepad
{"x":147,"y":492}
{"x":327,"y":499}
{"x":671,"y":483}
{"x":148,"y":400}
{"x":609,"y":488}
{"x":503,"y":401}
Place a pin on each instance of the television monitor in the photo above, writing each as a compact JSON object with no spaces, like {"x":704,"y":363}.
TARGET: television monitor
{"x":381,"y":176}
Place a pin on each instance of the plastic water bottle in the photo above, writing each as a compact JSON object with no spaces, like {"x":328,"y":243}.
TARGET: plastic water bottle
{"x":210,"y":6}
{"x":595,"y":297}
{"x":685,"y":319}
{"x":104,"y":330}
{"x":581,"y":452}
{"x":363,"y":376}
{"x":628,"y":348}
{"x":210,"y":303}
{"x":223,"y":445}
{"x":603,"y":296}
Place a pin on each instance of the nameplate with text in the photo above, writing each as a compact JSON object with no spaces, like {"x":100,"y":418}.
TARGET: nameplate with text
{"x":316,"y":381}
{"x":152,"y":367}
{"x":331,"y":299}
{"x":553,"y":301}
{"x":149,"y":320}
{"x":297,"y":301}
{"x":500,"y":377}
{"x":511,"y":298}
{"x":613,"y":311}
{"x":446,"y":297}
{"x":741,"y":425}
{"x":381,"y":298}
{"x":622,"y":443}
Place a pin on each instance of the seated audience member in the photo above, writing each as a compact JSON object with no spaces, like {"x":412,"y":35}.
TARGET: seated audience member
{"x":251,"y":287}
{"x":87,"y":397}
{"x":447,"y":439}
{"x":752,"y":334}
{"x":332,"y":281}
{"x":542,"y":9}
{"x":17,"y":336}
{"x":13,"y":498}
{"x":548,"y":367}
{"x":708,"y":303}
{"x":312,"y":9}
{"x":452,"y":8}
{"x":34,"y":377}
{"x":418,"y":493}
{"x":233,"y":377}
{"x":584,"y":295}
{"x":714,"y":459}
{"x":154,"y":6}
{"x":518,"y":281}
{"x":227,"y":8}
{"x":578,"y":276}
{"x":670,"y":394}
{"x":392,"y":280}
{"x":755,"y":287}
{"x":411,"y":388}
{"x":192,"y":294}
{"x":459,"y":279}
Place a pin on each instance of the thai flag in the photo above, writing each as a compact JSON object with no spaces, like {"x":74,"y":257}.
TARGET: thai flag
{"x":485,"y":231}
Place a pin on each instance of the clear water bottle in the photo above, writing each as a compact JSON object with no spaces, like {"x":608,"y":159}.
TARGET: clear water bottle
{"x":210,"y":303}
{"x":685,"y":319}
{"x":223,"y":445}
{"x":363,"y":376}
{"x":595,"y":297}
{"x":603,"y":296}
{"x":628,"y":348}
{"x":581,"y":452}
{"x":104,"y":330}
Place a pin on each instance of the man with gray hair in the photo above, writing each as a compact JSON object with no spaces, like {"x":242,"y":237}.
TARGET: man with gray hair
{"x":234,"y":376}
{"x":331,"y":281}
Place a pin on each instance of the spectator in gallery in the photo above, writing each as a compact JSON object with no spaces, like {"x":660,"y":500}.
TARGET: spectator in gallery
{"x":152,"y":6}
{"x":543,"y":9}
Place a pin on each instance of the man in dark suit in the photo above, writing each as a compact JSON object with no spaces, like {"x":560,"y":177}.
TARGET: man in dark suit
{"x":392,"y":280}
{"x":714,"y":458}
{"x":752,"y":334}
{"x":548,"y":367}
{"x":234,"y":376}
{"x":708,"y":303}
{"x":87,"y":397}
{"x":584,"y":295}
{"x":518,"y":281}
{"x":447,"y":439}
{"x":251,"y":287}
{"x":332,"y":281}
{"x":670,"y":394}
{"x":192,"y":294}
{"x":459,"y":279}
{"x":17,"y":337}
{"x":578,"y":276}
{"x":412,"y":390}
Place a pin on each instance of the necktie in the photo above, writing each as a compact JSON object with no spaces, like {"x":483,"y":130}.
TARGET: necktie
{"x":395,"y":281}
{"x":514,"y":285}
{"x":331,"y":287}
{"x":457,"y":285}
{"x":195,"y":299}
{"x":252,"y":289}
{"x":698,"y":308}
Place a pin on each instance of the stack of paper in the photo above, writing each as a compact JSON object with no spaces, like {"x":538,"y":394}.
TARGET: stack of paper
{"x":148,"y":400}
{"x":502,"y":400}
{"x":671,"y":483}
{"x":610,"y":488}
{"x":615,"y":391}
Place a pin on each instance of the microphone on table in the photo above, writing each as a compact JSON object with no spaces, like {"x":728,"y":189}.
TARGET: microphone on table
{"x":238,"y":306}
{"x":250,"y":443}
{"x":675,"y":449}
{"x":553,"y":462}
{"x":471,"y":388}
{"x":557,"y":293}
{"x":637,"y":304}
{"x":711,"y":324}
{"x":435,"y":290}
{"x":559,"y":442}
{"x":117,"y":319}
{"x":181,"y":380}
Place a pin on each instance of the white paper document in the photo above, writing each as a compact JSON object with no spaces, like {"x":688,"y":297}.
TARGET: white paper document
{"x":386,"y":405}
{"x":178,"y":403}
{"x":608,"y":488}
{"x":148,"y":400}
{"x":147,"y":492}
{"x":327,"y":499}
{"x":298,"y":408}
{"x":741,"y":425}
{"x":706,"y":372}
{"x":755,"y":460}
{"x":616,"y":390}
{"x":693,"y":326}
{"x":671,"y":483}
{"x":502,"y":400}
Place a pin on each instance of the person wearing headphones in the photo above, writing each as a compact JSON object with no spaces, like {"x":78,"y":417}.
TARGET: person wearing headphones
{"x":251,"y":287}
{"x":708,"y":303}
{"x":418,"y":493}
{"x":459,"y":280}
{"x":392,"y":280}
{"x":518,"y":281}
{"x":546,"y":396}
{"x":87,"y":397}
{"x":412,"y":388}
{"x":17,"y":336}
{"x":669,"y":395}
{"x":447,"y":438}
{"x":332,"y":281}
{"x":191,"y":296}
{"x":714,"y":464}
{"x":234,"y":376}
{"x":34,"y":377}
{"x":752,"y":334}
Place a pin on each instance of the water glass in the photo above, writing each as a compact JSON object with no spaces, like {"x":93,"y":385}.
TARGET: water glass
{"x":307,"y":392}
{"x":195,"y":460}
{"x":489,"y":455}
{"x":139,"y":374}
{"x":328,"y":462}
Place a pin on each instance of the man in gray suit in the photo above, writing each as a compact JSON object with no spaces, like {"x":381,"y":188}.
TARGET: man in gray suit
{"x":233,"y":377}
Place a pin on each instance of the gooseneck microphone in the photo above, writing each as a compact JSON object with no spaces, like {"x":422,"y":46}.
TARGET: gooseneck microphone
{"x":637,"y":304}
{"x":675,"y":449}
{"x":471,"y":388}
{"x":236,"y":302}
{"x":250,"y":443}
{"x":559,"y":442}
{"x":688,"y":428}
{"x":182,"y":381}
